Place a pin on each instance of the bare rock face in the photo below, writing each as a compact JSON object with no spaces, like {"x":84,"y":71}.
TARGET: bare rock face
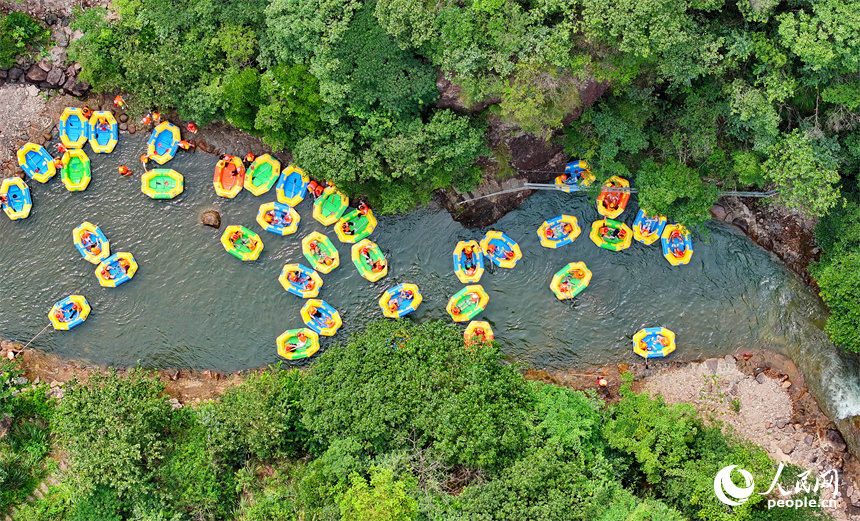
{"x":56,"y":77}
{"x":211,"y":218}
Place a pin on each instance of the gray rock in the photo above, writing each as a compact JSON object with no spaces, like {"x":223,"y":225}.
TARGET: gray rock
{"x":786,"y":384}
{"x":58,"y":56}
{"x":51,"y":19}
{"x":780,"y":423}
{"x":61,"y":38}
{"x":711,"y":364}
{"x":45,"y":65}
{"x":835,"y":439}
{"x":760,"y":378}
{"x":80,"y":88}
{"x":719,"y":212}
{"x":730,"y":360}
{"x":211,"y":218}
{"x":73,"y":69}
{"x":809,"y":439}
{"x":3,"y":74}
{"x":69,"y":85}
{"x":787,"y":446}
{"x":123,"y":126}
{"x":36,"y":74}
{"x":15,"y":73}
{"x":56,"y":77}
{"x":76,"y":35}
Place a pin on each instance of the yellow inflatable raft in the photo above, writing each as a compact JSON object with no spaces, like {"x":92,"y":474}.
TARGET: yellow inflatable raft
{"x":478,"y":331}
{"x":325,"y":320}
{"x":17,"y":202}
{"x":278,"y":218}
{"x":262,"y":174}
{"x":298,"y":343}
{"x":104,"y":132}
{"x":467,"y":303}
{"x":369,"y":260}
{"x":611,"y":235}
{"x":242,"y":243}
{"x":558,"y":231}
{"x":69,"y":312}
{"x":162,"y":183}
{"x":677,"y":244}
{"x":116,"y":269}
{"x":91,"y":242}
{"x":320,"y":252}
{"x":653,"y":342}
{"x":300,"y":280}
{"x":329,"y":207}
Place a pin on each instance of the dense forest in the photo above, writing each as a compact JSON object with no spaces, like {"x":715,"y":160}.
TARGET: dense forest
{"x":704,"y":95}
{"x":402,"y":423}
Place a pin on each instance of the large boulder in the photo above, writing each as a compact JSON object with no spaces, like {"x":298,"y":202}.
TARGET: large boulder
{"x":15,"y":74}
{"x":211,"y":218}
{"x":56,"y":77}
{"x":36,"y":74}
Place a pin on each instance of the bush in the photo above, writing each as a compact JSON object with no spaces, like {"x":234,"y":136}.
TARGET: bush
{"x":384,"y":499}
{"x":259,"y":418}
{"x":676,"y":191}
{"x":114,"y":428}
{"x":19,"y":31}
{"x":839,"y":280}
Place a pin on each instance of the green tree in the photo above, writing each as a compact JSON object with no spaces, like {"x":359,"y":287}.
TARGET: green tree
{"x":839,"y":280}
{"x":383,"y":499}
{"x":290,"y":107}
{"x":827,"y":38}
{"x":114,"y":427}
{"x":804,"y":168}
{"x":241,"y":93}
{"x":675,"y":190}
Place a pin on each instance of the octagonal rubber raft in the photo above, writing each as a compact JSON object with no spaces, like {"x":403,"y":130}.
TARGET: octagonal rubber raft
{"x":478,"y":331}
{"x":36,"y":162}
{"x":468,"y":261}
{"x":15,"y":194}
{"x":74,"y":127}
{"x":292,"y":186}
{"x":369,"y":260}
{"x":329,"y":207}
{"x":163,"y":142}
{"x":278,"y":218}
{"x":104,"y":132}
{"x":262,"y":174}
{"x":320,"y":252}
{"x":296,"y":344}
{"x":355,"y":225}
{"x":467,"y":303}
{"x":653,"y":342}
{"x":242,"y":243}
{"x":558,"y":231}
{"x":162,"y":183}
{"x":646,"y":229}
{"x":503,"y":251}
{"x":116,"y":269}
{"x":611,"y":235}
{"x":300,"y":280}
{"x":612,"y":200}
{"x":570,"y":281}
{"x":321,"y":317}
{"x":677,"y":244}
{"x":400,"y":300}
{"x":69,"y":312}
{"x":91,"y":242}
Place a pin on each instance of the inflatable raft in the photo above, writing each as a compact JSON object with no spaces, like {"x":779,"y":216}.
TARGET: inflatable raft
{"x":400,"y":300}
{"x":292,"y":186}
{"x":612,"y":235}
{"x":74,"y":128}
{"x":76,"y":173}
{"x":648,"y":229}
{"x":69,"y":312}
{"x":653,"y":342}
{"x":611,"y":203}
{"x":467,"y":303}
{"x":91,"y":242}
{"x":16,"y":198}
{"x":321,"y":317}
{"x":477,"y":332}
{"x":278,"y":218}
{"x":468,"y":268}
{"x":300,"y":280}
{"x":163,"y":142}
{"x":677,"y":244}
{"x":229,"y":176}
{"x":262,"y":174}
{"x":570,"y":281}
{"x":576,"y":175}
{"x":242,"y":243}
{"x":104,"y":132}
{"x":320,"y":252}
{"x":36,"y":162}
{"x":369,"y":260}
{"x":116,"y":269}
{"x":558,"y":231}
{"x":355,"y":225}
{"x":298,"y":343}
{"x":501,"y":249}
{"x":329,"y":207}
{"x":162,"y":183}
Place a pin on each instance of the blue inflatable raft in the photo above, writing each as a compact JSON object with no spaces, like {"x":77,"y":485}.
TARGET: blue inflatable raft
{"x":468,"y":268}
{"x":400,"y":300}
{"x":17,"y":202}
{"x":163,"y":142}
{"x":503,"y":251}
{"x":74,"y":128}
{"x":104,"y":132}
{"x":647,"y":230}
{"x":36,"y":162}
{"x":292,"y":186}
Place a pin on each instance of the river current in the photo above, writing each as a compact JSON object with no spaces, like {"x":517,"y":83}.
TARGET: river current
{"x":191,"y":304}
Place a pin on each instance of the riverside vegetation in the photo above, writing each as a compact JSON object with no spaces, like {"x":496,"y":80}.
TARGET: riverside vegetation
{"x":401,"y":423}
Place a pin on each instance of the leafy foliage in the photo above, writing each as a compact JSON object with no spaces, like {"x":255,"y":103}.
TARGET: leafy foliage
{"x":19,"y":33}
{"x":383,"y":499}
{"x":675,"y":189}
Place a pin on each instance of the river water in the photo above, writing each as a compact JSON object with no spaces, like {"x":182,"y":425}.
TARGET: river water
{"x":191,"y":304}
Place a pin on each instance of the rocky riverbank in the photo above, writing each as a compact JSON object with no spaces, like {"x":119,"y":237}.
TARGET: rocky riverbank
{"x":761,"y":396}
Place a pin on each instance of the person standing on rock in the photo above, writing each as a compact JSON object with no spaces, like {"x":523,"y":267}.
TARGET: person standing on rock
{"x":119,"y":102}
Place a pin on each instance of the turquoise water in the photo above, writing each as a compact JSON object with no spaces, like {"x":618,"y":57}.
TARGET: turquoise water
{"x":193,"y":305}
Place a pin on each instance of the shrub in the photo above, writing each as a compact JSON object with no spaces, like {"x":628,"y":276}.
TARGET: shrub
{"x":114,"y":427}
{"x":383,"y":499}
{"x":17,"y":32}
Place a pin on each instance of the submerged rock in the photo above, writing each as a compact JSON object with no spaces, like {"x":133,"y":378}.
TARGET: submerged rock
{"x":211,"y":218}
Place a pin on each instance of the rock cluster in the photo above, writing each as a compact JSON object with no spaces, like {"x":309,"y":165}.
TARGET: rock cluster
{"x":51,"y":72}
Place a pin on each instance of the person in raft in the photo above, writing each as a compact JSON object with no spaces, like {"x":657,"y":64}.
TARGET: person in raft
{"x":316,"y":251}
{"x":303,"y":341}
{"x":677,"y":244}
{"x":124,"y":170}
{"x":348,"y":228}
{"x":612,"y":234}
{"x":502,"y":252}
{"x":107,"y":274}
{"x":249,"y":158}
{"x":469,"y":264}
{"x":103,"y":124}
{"x":125,"y":265}
{"x":362,"y":208}
{"x":406,"y":294}
{"x":378,"y":266}
{"x":319,"y":319}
